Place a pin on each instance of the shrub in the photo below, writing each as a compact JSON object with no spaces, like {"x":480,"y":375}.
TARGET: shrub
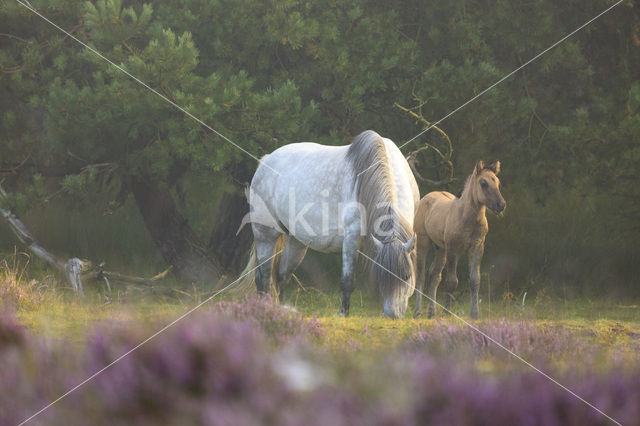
{"x":526,"y":339}
{"x":280,"y":323}
{"x":15,"y":288}
{"x":221,"y":367}
{"x":31,"y":372}
{"x":205,"y":370}
{"x":446,"y":394}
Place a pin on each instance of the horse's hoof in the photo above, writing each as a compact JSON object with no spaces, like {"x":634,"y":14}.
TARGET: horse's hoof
{"x":343,"y":314}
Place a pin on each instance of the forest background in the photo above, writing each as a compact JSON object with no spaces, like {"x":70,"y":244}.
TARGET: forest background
{"x":99,"y":167}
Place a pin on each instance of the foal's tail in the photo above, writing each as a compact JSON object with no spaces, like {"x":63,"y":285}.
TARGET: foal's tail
{"x":247,"y":280}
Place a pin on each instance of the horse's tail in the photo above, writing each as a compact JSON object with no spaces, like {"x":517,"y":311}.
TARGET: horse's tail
{"x":247,"y":281}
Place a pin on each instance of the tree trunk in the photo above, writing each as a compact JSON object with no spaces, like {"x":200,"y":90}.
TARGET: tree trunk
{"x":171,"y":233}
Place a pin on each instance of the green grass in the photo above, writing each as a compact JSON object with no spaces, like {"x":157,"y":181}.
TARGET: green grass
{"x":65,"y":316}
{"x":49,"y":309}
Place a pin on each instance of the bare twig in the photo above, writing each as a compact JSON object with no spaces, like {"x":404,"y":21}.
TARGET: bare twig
{"x":420,"y":118}
{"x":17,"y":167}
{"x":412,"y":164}
{"x":25,"y":237}
{"x":13,"y":36}
{"x":412,"y":157}
{"x":117,"y":276}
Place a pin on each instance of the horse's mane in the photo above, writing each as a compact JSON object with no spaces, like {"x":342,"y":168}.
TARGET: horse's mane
{"x":375,"y":191}
{"x":465,"y":187}
{"x":373,"y":184}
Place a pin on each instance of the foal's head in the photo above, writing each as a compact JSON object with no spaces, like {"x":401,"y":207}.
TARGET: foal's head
{"x":485,"y":187}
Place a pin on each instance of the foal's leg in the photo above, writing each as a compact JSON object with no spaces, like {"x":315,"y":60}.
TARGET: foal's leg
{"x":293,"y":254}
{"x":422,"y":249}
{"x":350,"y":246}
{"x":265,"y":239}
{"x":451,"y":280}
{"x":475,"y":258}
{"x":435,"y":275}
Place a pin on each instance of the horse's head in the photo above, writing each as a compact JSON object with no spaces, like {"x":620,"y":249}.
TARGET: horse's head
{"x":394,"y":273}
{"x":486,"y":187}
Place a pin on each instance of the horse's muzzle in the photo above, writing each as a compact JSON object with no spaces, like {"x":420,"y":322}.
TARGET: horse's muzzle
{"x":390,"y":314}
{"x":499,"y":207}
{"x":393,"y":312}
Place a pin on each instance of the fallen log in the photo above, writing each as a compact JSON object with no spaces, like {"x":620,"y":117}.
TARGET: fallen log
{"x":77,"y":271}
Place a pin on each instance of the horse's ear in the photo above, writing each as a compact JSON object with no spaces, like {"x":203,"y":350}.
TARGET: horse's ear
{"x":408,"y":246}
{"x":377,"y":242}
{"x":495,"y":167}
{"x":479,"y":167}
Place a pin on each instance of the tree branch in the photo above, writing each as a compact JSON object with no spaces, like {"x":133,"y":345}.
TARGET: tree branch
{"x":75,"y":270}
{"x":412,"y":157}
{"x":427,"y":124}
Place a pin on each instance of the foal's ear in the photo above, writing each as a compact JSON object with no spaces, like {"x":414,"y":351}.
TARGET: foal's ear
{"x":479,"y":167}
{"x":495,"y":167}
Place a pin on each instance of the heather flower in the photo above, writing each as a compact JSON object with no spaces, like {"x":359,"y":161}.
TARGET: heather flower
{"x":32,"y":371}
{"x":526,"y":339}
{"x":207,"y":361}
{"x":277,"y":322}
{"x":11,"y":332}
{"x":221,"y":367}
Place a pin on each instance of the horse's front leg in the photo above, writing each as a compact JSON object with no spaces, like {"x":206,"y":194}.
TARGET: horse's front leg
{"x":451,"y":280}
{"x":435,"y":275}
{"x":350,"y":246}
{"x":422,"y":249}
{"x":475,"y":258}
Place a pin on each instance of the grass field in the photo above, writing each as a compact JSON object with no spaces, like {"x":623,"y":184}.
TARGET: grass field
{"x":62,"y":315}
{"x":433,"y":364}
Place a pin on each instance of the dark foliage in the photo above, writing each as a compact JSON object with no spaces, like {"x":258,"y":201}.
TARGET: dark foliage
{"x":269,"y":73}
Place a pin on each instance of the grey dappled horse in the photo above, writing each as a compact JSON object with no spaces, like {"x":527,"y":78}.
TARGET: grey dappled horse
{"x":360,"y":196}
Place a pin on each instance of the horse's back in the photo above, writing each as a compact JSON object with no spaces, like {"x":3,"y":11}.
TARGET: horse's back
{"x":288,"y":158}
{"x":321,"y":178}
{"x":301,"y":162}
{"x":431,"y":215}
{"x":303,"y":185}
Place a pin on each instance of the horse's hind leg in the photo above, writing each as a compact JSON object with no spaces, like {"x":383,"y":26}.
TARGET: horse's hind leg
{"x":435,"y":275}
{"x":475,"y":258}
{"x":293,"y":254}
{"x":350,"y":246}
{"x":422,"y":249}
{"x":265,"y":239}
{"x":451,"y":280}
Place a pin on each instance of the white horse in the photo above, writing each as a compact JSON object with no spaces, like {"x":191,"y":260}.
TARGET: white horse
{"x":337,"y":198}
